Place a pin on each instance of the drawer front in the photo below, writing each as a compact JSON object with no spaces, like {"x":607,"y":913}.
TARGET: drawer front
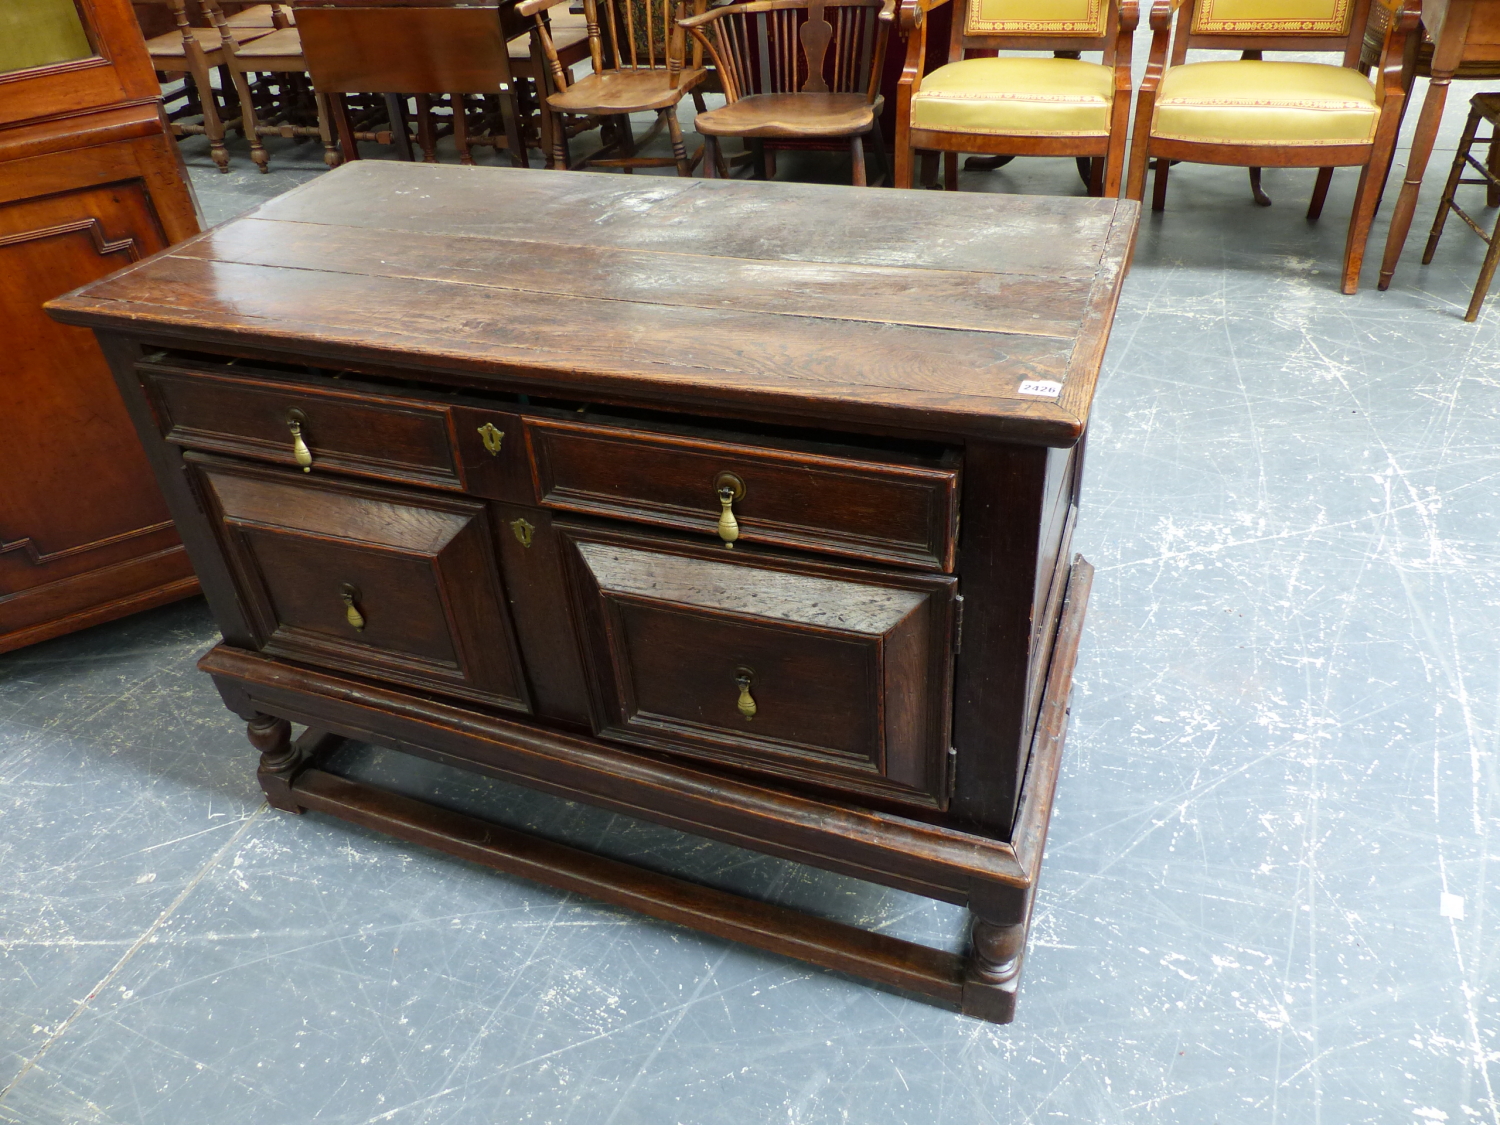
{"x":368,"y":435}
{"x":825,"y":675}
{"x":366,"y":579}
{"x":834,"y":505}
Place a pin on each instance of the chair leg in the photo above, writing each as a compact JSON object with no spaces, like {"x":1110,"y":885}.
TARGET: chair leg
{"x":1159,"y":190}
{"x":905,"y":158}
{"x":710,"y":157}
{"x":1492,"y":193}
{"x":1466,"y":142}
{"x":950,"y":171}
{"x":758,"y":159}
{"x":928,"y":171}
{"x":426,"y":136}
{"x":626,"y":137}
{"x":1261,"y":198}
{"x":396,"y":111}
{"x":881,"y":157}
{"x":560,"y":142}
{"x":1486,"y":276}
{"x":857,"y":151}
{"x":679,"y":152}
{"x":1320,"y":192}
{"x":331,"y":155}
{"x":461,"y":128}
{"x":1095,"y":179}
{"x":1370,"y":180}
{"x":213,"y":125}
{"x":249,"y":126}
{"x":339,"y":105}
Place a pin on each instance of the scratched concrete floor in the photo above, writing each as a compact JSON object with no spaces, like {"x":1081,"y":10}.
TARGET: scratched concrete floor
{"x":1267,"y":894}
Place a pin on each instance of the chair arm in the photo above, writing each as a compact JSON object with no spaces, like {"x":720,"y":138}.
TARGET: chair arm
{"x":1130,"y":18}
{"x":1392,"y":70}
{"x":532,"y":7}
{"x":914,"y":13}
{"x":887,"y":11}
{"x":1162,"y":12}
{"x":707,"y":17}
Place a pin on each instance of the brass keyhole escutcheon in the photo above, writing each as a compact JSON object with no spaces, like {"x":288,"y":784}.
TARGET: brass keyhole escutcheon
{"x":729,"y":488}
{"x":295,"y":420}
{"x":349,"y":593}
{"x":492,"y":438}
{"x":743,"y":677}
{"x":523,"y":531}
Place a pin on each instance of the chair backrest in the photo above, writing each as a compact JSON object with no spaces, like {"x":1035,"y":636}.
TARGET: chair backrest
{"x":1271,"y":25}
{"x":1034,"y":25}
{"x":637,"y":34}
{"x":789,"y":46}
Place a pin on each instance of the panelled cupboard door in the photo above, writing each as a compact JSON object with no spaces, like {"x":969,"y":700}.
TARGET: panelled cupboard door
{"x":835,"y":676}
{"x":387,"y":582}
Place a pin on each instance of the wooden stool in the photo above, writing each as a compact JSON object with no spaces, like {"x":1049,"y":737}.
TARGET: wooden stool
{"x":1484,"y":107}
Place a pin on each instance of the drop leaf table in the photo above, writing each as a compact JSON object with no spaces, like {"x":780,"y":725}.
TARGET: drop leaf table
{"x":744,"y":508}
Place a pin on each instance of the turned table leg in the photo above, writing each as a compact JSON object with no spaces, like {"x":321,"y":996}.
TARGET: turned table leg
{"x":997,"y":945}
{"x":280,"y":760}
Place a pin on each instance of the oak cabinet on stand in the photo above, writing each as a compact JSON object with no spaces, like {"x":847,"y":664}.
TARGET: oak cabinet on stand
{"x":740,"y":507}
{"x":89,"y":182}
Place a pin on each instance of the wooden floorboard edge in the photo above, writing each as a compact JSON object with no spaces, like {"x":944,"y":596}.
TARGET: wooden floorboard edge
{"x":931,"y":973}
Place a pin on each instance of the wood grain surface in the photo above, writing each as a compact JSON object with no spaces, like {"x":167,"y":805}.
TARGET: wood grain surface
{"x":734,"y":296}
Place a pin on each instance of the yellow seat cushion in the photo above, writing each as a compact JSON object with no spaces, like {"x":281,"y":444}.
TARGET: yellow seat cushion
{"x":1019,"y":96}
{"x":1249,"y":102}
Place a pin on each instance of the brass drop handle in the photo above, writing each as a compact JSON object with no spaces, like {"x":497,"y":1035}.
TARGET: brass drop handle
{"x":295,"y":420}
{"x":746,"y":703}
{"x":350,"y":593}
{"x":729,"y":488}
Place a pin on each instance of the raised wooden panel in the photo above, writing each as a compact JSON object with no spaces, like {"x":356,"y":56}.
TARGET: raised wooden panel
{"x":81,"y":494}
{"x":396,"y":584}
{"x":833,"y":676}
{"x":866,"y":509}
{"x":364,"y":434}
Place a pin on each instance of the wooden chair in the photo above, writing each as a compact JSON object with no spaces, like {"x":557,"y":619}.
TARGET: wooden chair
{"x":272,"y":16}
{"x":639,"y":65}
{"x":1252,"y":113}
{"x":276,"y":98}
{"x":1027,"y":106}
{"x":1482,"y":108}
{"x":420,"y":48}
{"x":196,"y":52}
{"x":796,"y":71}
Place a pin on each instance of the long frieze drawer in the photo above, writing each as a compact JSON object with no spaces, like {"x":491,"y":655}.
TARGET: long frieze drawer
{"x":306,"y":427}
{"x":896,"y":513}
{"x":827,"y":675}
{"x":385,"y":582}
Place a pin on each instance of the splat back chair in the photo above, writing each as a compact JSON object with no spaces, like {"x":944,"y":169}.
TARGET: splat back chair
{"x":1019,"y":105}
{"x":637,"y":51}
{"x":1254,"y":113}
{"x":796,"y":71}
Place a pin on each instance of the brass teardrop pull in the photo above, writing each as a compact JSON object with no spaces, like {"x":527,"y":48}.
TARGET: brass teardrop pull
{"x":295,"y":420}
{"x":729,"y":488}
{"x":746,"y":704}
{"x":349,"y":593}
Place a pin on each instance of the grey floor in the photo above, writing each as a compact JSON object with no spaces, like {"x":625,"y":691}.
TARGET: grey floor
{"x":1267,"y":894}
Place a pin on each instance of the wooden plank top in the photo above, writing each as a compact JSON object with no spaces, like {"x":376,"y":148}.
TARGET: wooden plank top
{"x":908,"y":311}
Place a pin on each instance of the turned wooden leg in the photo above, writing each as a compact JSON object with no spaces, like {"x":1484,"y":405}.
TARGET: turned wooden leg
{"x":331,"y":154}
{"x":679,"y":153}
{"x":1416,"y":164}
{"x":857,"y":154}
{"x":280,"y":760}
{"x":997,"y":947}
{"x":1466,"y":142}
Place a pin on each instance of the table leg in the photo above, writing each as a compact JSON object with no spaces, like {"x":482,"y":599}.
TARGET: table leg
{"x":395,"y":107}
{"x":1416,"y":165}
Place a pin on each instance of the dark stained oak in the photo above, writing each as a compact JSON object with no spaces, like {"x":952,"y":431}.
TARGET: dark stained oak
{"x":743,"y":508}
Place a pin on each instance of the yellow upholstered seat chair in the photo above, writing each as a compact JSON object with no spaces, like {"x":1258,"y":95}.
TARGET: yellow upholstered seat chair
{"x":1255,"y":113}
{"x":1019,"y":105}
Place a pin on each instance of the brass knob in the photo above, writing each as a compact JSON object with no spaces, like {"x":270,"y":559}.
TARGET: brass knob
{"x":295,"y":420}
{"x":729,"y":488}
{"x":746,"y":702}
{"x":349,"y":592}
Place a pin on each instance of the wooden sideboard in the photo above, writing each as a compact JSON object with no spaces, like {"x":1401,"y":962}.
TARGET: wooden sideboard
{"x":740,"y":507}
{"x":89,"y":181}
